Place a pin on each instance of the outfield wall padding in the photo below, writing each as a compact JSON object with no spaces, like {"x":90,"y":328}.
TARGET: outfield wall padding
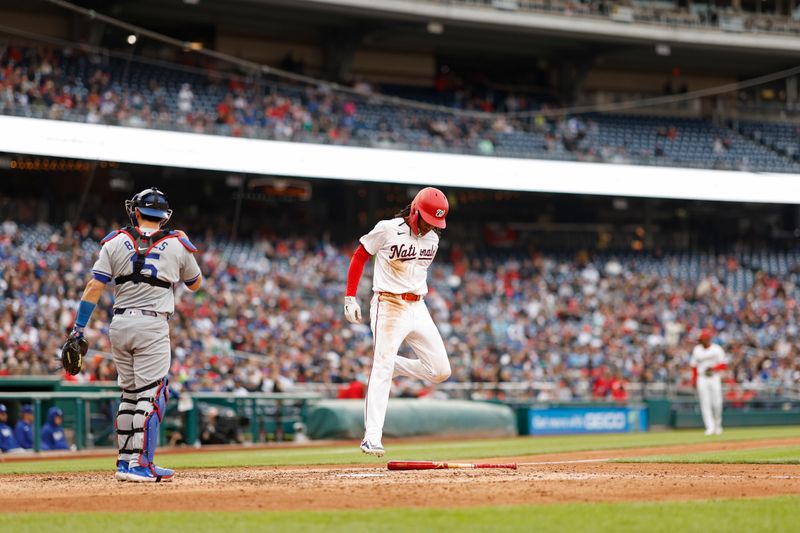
{"x":739,"y":418}
{"x":344,"y":419}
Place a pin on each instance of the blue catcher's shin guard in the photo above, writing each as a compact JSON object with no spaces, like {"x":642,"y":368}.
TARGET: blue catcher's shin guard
{"x":152,"y":423}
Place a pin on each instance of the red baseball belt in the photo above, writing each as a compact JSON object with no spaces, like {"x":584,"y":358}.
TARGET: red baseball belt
{"x":408,"y":296}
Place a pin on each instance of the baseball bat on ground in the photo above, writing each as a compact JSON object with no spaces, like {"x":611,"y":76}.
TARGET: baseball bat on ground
{"x":440,"y":465}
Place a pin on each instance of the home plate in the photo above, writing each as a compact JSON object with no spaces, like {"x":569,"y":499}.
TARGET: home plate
{"x":361,"y":474}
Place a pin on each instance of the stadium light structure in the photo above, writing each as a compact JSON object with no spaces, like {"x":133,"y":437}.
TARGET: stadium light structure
{"x":663,"y":50}
{"x":435,"y":28}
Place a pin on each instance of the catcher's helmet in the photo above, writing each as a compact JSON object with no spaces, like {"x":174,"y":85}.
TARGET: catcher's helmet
{"x":150,"y":202}
{"x":430,"y":204}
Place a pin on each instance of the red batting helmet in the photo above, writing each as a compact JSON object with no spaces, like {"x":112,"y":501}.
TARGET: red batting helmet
{"x":706,"y":335}
{"x":430,"y":204}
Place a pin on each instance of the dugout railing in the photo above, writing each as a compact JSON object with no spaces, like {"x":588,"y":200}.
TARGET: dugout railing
{"x":89,"y":415}
{"x":758,"y":411}
{"x":551,"y":391}
{"x":89,"y":409}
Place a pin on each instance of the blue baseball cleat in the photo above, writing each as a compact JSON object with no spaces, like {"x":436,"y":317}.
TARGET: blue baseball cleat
{"x":122,"y":471}
{"x":150,"y":474}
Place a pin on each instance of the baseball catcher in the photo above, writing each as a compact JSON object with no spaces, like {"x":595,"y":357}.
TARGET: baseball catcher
{"x":145,"y":261}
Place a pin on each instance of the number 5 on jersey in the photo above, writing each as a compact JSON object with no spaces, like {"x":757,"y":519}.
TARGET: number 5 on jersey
{"x":148,"y":266}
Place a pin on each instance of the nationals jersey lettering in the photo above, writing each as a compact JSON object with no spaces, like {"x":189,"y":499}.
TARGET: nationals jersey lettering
{"x":407,"y":254}
{"x":401,"y":259}
{"x":705,"y":358}
{"x":169,"y":260}
{"x":403,"y":253}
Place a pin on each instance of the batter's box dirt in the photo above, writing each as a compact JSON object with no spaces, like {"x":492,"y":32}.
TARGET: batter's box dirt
{"x":557,"y":479}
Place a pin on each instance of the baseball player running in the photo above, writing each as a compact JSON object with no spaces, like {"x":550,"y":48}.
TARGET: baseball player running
{"x":708,"y":361}
{"x":405,"y":247}
{"x":145,"y":261}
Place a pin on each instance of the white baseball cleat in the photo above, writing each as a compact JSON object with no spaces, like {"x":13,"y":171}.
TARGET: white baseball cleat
{"x":371,"y":448}
{"x":718,"y":431}
{"x":709,"y":432}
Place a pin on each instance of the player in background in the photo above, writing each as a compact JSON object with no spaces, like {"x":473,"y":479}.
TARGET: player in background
{"x":8,"y":443}
{"x":146,"y":262}
{"x":708,"y":361}
{"x":23,"y":431}
{"x":404,"y":248}
{"x":53,"y":437}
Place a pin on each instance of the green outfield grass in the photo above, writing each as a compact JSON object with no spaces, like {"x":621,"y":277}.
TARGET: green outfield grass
{"x":787,"y":455}
{"x":750,"y":515}
{"x":443,"y":450}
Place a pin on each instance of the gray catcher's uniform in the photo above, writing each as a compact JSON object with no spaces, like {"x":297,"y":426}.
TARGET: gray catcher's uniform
{"x":139,"y":331}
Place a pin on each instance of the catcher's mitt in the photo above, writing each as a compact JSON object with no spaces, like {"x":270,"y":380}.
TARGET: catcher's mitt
{"x":72,"y":353}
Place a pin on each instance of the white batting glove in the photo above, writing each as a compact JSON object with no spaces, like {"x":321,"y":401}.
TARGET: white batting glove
{"x":352,"y":311}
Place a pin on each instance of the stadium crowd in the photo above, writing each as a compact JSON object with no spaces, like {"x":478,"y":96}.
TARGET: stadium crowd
{"x":53,"y":83}
{"x":730,"y":18}
{"x":98,"y":88}
{"x":269,"y":317}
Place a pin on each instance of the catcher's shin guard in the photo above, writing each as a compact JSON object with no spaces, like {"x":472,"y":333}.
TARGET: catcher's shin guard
{"x":125,"y":433}
{"x":150,"y":408}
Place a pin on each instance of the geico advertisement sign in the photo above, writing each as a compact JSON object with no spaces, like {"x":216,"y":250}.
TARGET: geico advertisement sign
{"x":578,"y":421}
{"x":605,"y":421}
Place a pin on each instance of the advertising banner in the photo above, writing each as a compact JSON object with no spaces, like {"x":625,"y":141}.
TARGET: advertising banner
{"x":566,"y":420}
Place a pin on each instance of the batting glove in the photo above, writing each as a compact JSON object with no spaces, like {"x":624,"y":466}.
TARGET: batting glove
{"x":352,"y":311}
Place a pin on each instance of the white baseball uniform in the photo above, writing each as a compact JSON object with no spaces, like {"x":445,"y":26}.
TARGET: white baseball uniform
{"x":709,"y":384}
{"x":401,"y":267}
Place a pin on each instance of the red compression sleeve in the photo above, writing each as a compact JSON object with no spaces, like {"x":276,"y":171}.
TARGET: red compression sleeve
{"x":694,"y":376}
{"x":721,"y":366}
{"x":357,"y":263}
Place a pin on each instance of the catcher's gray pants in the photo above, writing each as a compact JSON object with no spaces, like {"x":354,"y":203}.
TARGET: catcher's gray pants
{"x":140,"y":345}
{"x":141,"y":348}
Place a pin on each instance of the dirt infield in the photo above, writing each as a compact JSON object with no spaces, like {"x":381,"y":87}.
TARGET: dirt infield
{"x":554,"y":478}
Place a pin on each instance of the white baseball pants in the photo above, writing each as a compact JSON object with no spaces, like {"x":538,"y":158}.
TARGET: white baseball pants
{"x":394,"y":320}
{"x":709,"y":391}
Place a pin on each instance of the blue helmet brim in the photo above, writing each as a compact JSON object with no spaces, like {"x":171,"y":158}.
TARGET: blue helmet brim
{"x":150,"y":212}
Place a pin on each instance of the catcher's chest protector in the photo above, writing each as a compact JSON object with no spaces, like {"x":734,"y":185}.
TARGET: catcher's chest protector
{"x":143,"y":244}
